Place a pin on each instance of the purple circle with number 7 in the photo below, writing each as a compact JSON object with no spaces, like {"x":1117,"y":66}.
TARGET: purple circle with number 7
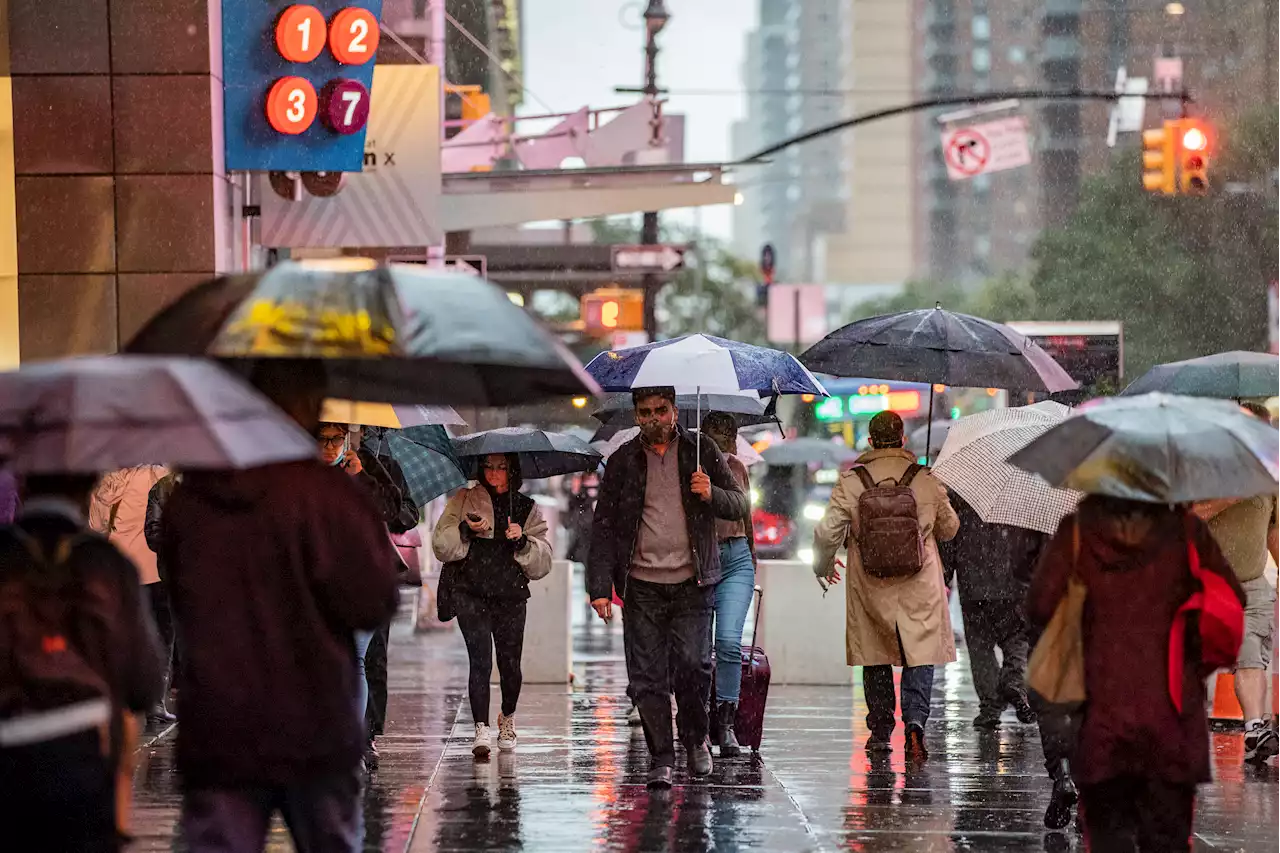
{"x":344,"y":105}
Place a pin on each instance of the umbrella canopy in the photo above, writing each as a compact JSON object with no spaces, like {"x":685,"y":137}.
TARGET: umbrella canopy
{"x":701,"y":364}
{"x":747,"y":408}
{"x":744,"y":451}
{"x":932,"y":345}
{"x":1231,"y":375}
{"x":1157,"y":448}
{"x":542,"y":453}
{"x":973,"y":463}
{"x":397,"y":334}
{"x":88,"y":415}
{"x":808,"y":451}
{"x":425,"y":454}
{"x":387,"y":415}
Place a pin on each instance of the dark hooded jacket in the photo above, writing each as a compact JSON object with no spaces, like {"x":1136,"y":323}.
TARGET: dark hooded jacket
{"x":1133,"y":560}
{"x":271,"y":570}
{"x":991,"y":562}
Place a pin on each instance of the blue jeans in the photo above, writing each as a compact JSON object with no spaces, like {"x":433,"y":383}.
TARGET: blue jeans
{"x":733,"y":599}
{"x":363,"y":639}
{"x":877,"y":687}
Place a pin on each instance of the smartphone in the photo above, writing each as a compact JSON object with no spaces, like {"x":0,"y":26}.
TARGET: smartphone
{"x":473,"y":518}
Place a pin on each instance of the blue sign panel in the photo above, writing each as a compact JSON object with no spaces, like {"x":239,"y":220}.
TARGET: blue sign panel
{"x":303,"y":115}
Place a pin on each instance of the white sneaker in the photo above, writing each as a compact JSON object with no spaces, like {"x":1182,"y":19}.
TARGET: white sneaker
{"x":483,"y":742}
{"x":1260,"y":743}
{"x":506,"y":733}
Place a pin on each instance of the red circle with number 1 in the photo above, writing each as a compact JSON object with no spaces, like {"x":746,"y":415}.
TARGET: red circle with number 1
{"x":300,"y":33}
{"x":291,"y":105}
{"x":353,"y":36}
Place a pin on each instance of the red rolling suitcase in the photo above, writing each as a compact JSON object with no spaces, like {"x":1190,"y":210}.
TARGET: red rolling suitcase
{"x":749,"y":723}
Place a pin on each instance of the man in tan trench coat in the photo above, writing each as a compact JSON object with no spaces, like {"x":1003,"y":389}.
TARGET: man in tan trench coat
{"x":898,"y":621}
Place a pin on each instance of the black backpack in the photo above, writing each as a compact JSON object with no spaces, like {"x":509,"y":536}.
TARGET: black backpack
{"x":51,"y":623}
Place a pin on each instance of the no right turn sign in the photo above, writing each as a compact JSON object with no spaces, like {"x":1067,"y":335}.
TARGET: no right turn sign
{"x":980,"y":149}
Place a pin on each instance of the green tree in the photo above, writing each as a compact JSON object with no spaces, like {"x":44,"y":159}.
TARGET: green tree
{"x":1003,"y":299}
{"x":1187,"y":276}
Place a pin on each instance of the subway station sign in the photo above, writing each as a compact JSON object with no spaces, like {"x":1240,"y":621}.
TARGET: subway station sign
{"x":296,"y":83}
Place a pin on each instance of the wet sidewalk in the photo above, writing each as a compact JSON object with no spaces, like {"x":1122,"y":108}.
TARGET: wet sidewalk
{"x":576,"y":782}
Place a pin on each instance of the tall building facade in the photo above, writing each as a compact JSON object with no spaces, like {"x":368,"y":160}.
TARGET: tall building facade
{"x":793,"y":75}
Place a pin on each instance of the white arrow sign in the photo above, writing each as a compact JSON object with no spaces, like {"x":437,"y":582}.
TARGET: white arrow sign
{"x":641,"y":258}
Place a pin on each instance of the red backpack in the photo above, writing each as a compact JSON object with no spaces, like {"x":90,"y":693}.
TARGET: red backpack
{"x":1221,"y":622}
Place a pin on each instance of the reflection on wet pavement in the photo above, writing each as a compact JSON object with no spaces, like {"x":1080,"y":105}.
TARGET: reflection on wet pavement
{"x":577,"y":779}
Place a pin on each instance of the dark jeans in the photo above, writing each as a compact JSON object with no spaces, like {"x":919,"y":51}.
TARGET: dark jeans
{"x":988,"y":624}
{"x":322,"y":816}
{"x":61,"y":792}
{"x":670,"y":637}
{"x":877,"y":688}
{"x":492,"y":627}
{"x":375,"y":672}
{"x":1058,"y":727}
{"x":1130,"y":814}
{"x":162,"y":615}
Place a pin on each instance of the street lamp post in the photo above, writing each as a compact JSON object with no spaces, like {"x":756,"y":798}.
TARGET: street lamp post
{"x":655,"y":18}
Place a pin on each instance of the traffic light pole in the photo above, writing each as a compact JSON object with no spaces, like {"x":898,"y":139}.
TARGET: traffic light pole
{"x":969,"y":98}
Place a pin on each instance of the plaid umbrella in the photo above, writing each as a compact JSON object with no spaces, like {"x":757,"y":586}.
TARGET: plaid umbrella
{"x":973,"y":463}
{"x":425,"y":454}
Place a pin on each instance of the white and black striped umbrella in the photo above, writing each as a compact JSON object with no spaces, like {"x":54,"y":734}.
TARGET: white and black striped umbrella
{"x":973,"y":462}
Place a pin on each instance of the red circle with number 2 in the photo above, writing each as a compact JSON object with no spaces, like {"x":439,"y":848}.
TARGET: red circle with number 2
{"x":291,"y":105}
{"x":300,"y":33}
{"x":353,"y":36}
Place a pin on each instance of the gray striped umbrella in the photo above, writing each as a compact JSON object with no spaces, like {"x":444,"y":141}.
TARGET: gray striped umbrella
{"x":973,"y":462}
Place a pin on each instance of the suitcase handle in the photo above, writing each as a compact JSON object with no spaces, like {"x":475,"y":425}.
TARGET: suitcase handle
{"x":755,"y":626}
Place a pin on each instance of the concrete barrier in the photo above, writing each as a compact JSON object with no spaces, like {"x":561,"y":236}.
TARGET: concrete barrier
{"x":548,"y":640}
{"x":801,"y":631}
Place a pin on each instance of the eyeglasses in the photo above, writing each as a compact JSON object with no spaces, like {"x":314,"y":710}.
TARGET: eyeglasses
{"x":331,"y":440}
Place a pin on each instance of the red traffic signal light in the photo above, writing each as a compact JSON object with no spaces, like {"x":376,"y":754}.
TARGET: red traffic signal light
{"x":1194,"y":139}
{"x":1193,"y":157}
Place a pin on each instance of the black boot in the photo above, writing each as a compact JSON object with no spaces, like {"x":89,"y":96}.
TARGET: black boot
{"x":728,"y":713}
{"x":1063,"y":799}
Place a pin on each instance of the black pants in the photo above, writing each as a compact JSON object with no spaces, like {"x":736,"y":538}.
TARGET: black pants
{"x":1059,"y":728}
{"x":988,"y":624}
{"x":162,"y":615}
{"x":489,"y":626}
{"x":670,"y":637}
{"x":61,"y":792}
{"x":1129,"y":814}
{"x":375,"y":673}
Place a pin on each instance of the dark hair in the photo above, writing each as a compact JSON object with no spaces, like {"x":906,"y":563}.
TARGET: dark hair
{"x":719,"y":420}
{"x":1258,"y":410}
{"x":515,"y":477}
{"x":328,"y":424}
{"x":886,"y":430}
{"x":666,"y":392}
{"x":75,"y":487}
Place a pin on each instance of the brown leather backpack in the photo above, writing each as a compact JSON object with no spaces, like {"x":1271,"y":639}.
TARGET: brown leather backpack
{"x":890,"y":543}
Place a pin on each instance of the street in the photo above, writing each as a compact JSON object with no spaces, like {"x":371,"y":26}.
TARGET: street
{"x":576,"y":781}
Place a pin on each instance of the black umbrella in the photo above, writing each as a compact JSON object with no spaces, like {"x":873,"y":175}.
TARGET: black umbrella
{"x":398,"y":334}
{"x":937,"y":346}
{"x":1230,"y":375}
{"x":542,"y":453}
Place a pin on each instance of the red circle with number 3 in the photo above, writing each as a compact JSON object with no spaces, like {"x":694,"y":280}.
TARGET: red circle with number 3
{"x":353,"y":36}
{"x":300,"y":33}
{"x":291,"y":105}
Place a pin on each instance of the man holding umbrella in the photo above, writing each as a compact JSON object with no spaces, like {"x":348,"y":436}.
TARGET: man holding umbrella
{"x":654,"y":540}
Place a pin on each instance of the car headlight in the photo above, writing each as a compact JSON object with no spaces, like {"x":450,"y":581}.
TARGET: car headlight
{"x":805,"y":555}
{"x":814,"y":512}
{"x":755,"y":496}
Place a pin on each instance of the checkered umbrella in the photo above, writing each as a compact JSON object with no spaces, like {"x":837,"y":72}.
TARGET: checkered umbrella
{"x":973,"y":463}
{"x":425,"y":454}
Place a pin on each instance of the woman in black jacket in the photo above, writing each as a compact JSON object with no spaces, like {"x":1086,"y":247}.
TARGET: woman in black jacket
{"x":493,"y":541}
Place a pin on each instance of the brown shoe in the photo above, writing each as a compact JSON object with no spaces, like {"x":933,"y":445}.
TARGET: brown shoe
{"x":915,"y":744}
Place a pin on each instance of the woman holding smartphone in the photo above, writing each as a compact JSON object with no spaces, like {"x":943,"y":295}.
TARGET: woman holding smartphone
{"x":493,"y":541}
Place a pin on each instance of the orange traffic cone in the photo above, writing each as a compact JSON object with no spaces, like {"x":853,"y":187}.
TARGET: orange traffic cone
{"x":1226,"y":707}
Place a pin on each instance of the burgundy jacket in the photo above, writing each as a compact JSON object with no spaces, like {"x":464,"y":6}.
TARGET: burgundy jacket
{"x":271,"y":570}
{"x":1137,"y":577}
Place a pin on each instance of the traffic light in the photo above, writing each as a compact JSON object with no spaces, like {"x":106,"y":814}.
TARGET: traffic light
{"x":1193,"y":157}
{"x":613,"y":310}
{"x":1158,"y":159}
{"x":464,"y":104}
